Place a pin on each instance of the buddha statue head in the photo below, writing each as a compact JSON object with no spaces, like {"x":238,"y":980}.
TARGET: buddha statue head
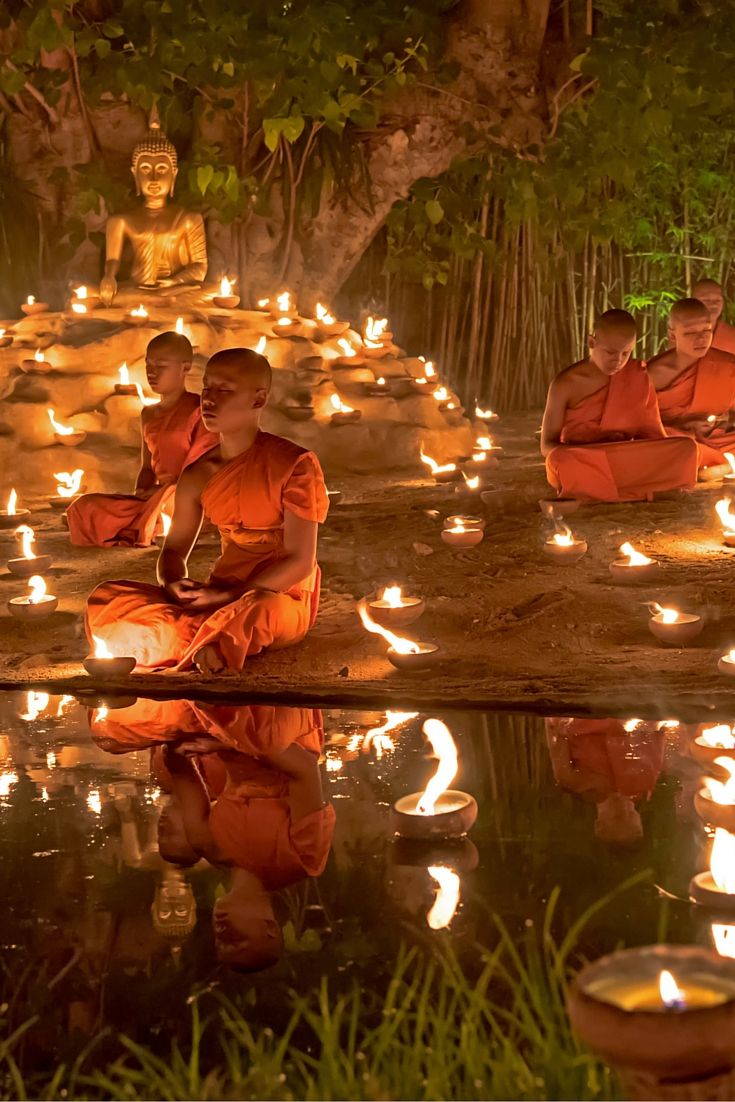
{"x":154,"y":164}
{"x":174,"y":909}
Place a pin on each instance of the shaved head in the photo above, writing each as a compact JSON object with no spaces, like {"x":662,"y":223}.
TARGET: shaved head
{"x":687,"y":309}
{"x":706,"y":285}
{"x":172,"y":344}
{"x":251,"y":368}
{"x":615,"y":321}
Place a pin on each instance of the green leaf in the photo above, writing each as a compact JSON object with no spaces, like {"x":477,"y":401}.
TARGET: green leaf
{"x":228,"y":69}
{"x":272,"y":129}
{"x":102,"y":48}
{"x":204,"y":177}
{"x":434,"y":211}
{"x":293,"y":128}
{"x":576,"y":63}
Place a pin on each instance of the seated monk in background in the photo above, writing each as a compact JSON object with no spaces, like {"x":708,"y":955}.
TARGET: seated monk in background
{"x":602,"y":435}
{"x":266,"y":495}
{"x":709,"y":292}
{"x":695,"y":382}
{"x":172,"y":437}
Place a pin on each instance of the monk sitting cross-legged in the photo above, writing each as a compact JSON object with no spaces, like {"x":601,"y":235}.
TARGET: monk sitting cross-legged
{"x":172,"y":437}
{"x":602,"y":435}
{"x":709,"y":292}
{"x":266,"y":495}
{"x":695,"y":385}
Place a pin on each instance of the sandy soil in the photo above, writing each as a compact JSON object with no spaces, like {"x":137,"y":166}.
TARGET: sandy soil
{"x":515,"y":628}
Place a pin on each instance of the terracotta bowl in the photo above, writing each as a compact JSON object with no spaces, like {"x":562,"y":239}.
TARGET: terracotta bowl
{"x":717,"y":815}
{"x":24,"y":568}
{"x":706,"y":755}
{"x":460,"y":540}
{"x":22,"y":609}
{"x":125,"y":388}
{"x":226,"y":302}
{"x":459,"y":854}
{"x":38,"y":367}
{"x":455,"y":814}
{"x":109,"y":667}
{"x":8,"y":520}
{"x":566,"y":554}
{"x":389,"y":617}
{"x":6,"y":341}
{"x":468,"y":521}
{"x":72,"y":440}
{"x":622,"y":574}
{"x":34,"y":308}
{"x":340,"y":418}
{"x":704,"y":891}
{"x":335,"y":496}
{"x":684,"y":631}
{"x":724,"y":664}
{"x":428,"y":656}
{"x":447,"y":476}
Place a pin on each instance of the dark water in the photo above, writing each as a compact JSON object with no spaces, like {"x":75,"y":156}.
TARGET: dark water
{"x":124,"y":936}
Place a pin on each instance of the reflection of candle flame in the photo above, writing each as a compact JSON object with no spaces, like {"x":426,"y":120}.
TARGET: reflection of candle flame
{"x":722,"y":792}
{"x":726,"y":515}
{"x":435,"y":467}
{"x":28,"y":537}
{"x":722,"y":861}
{"x":38,"y":589}
{"x":723,"y":937}
{"x":69,"y":483}
{"x":672,"y":995}
{"x":102,"y":713}
{"x":59,"y":429}
{"x":668,"y":615}
{"x":101,"y":649}
{"x":446,"y":900}
{"x":445,"y":750}
{"x":63,"y":704}
{"x":94,"y":801}
{"x":719,"y":737}
{"x":7,"y":780}
{"x":635,"y":558}
{"x":399,"y":643}
{"x":12,"y":502}
{"x":378,"y":737}
{"x":35,"y":704}
{"x":81,"y":292}
{"x":631,"y":725}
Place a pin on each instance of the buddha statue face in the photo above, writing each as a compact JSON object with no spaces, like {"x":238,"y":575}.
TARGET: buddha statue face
{"x":154,"y":175}
{"x":174,"y":907}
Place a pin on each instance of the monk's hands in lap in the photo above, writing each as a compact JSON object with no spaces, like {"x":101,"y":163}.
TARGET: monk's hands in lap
{"x":202,"y":596}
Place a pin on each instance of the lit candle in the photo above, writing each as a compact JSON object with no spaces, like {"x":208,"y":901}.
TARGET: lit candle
{"x":441,"y":472}
{"x":715,"y":800}
{"x":30,"y":562}
{"x":11,"y":515}
{"x":713,"y":742}
{"x":564,"y":545}
{"x":327,"y":324}
{"x":30,"y":306}
{"x":438,"y":811}
{"x":105,"y":664}
{"x":459,"y":536}
{"x":376,"y":337}
{"x":730,"y":478}
{"x":342,"y":413}
{"x":38,"y":363}
{"x":124,"y":386}
{"x":485,"y":414}
{"x":139,"y":316}
{"x":635,"y":567}
{"x":37,"y":605}
{"x":81,"y":302}
{"x":226,"y":299}
{"x":402,"y":653}
{"x":673,"y":628}
{"x":65,"y":434}
{"x":393,"y":610}
{"x":5,"y":338}
{"x":727,"y":520}
{"x":715,"y":888}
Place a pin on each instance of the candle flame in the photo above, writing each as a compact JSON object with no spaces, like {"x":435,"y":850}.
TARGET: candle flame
{"x":731,"y":460}
{"x":399,"y":643}
{"x":472,"y":483}
{"x":260,"y":346}
{"x":446,"y":899}
{"x":441,"y":394}
{"x":445,"y":750}
{"x":179,"y":327}
{"x":722,"y":861}
{"x":347,"y":349}
{"x":94,"y":801}
{"x":79,"y":307}
{"x":483,"y":414}
{"x":479,"y":457}
{"x":139,"y":312}
{"x":38,"y":589}
{"x":722,"y":792}
{"x":81,"y":292}
{"x":726,"y":515}
{"x":631,"y":725}
{"x":563,"y":538}
{"x":323,"y":315}
{"x":392,"y":596}
{"x":35,"y":704}
{"x":730,"y":656}
{"x":378,"y":738}
{"x":59,"y":429}
{"x":225,"y":286}
{"x":723,"y":937}
{"x":124,"y":374}
{"x":38,"y":356}
{"x":284,"y":321}
{"x":12,"y":502}
{"x":145,"y":401}
{"x":374,"y":330}
{"x":30,"y":300}
{"x":429,"y":369}
{"x":635,"y":558}
{"x":671,"y":994}
{"x":28,"y":537}
{"x":101,"y":650}
{"x":339,"y":406}
{"x":457,"y":527}
{"x":2,"y":332}
{"x":668,"y":615}
{"x":101,"y":714}
{"x":484,"y":443}
{"x":719,"y":737}
{"x":165,"y":523}
{"x":68,"y":483}
{"x":435,"y":467}
{"x":262,"y":303}
{"x":284,"y":302}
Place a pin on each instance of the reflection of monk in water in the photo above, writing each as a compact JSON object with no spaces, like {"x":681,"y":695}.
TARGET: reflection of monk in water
{"x":603,"y":763}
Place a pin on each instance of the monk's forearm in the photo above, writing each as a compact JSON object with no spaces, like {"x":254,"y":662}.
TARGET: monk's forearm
{"x":282,"y":574}
{"x":171,"y":567}
{"x":146,"y":479}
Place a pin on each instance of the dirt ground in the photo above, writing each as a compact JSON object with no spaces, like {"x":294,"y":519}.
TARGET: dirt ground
{"x":516,"y":629}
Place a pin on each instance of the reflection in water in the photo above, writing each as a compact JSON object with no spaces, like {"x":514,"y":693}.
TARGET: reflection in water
{"x":446,"y":900}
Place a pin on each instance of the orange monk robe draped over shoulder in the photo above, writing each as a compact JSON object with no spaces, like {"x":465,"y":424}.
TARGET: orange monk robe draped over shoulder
{"x":175,"y":438}
{"x":706,"y":387}
{"x":585,"y":466}
{"x":724,"y":338}
{"x":246,"y":500}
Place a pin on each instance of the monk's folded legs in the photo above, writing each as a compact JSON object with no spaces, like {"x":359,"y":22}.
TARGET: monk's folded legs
{"x":632,"y":470}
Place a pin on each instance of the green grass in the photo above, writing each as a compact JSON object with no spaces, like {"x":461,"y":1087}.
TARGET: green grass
{"x":435,"y":1032}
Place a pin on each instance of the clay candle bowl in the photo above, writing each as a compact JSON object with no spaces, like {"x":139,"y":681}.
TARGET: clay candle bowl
{"x":460,"y":536}
{"x":672,"y":628}
{"x":485,"y":414}
{"x":662,"y":1014}
{"x":5,"y":339}
{"x":104,"y":664}
{"x":467,"y":521}
{"x":82,"y":302}
{"x":138,"y":316}
{"x":438,"y":811}
{"x":713,"y":742}
{"x":124,"y":386}
{"x":441,"y":472}
{"x":65,"y":434}
{"x":379,"y":389}
{"x":29,"y":563}
{"x":335,"y":496}
{"x":565,"y":546}
{"x":327,"y":325}
{"x":37,"y":363}
{"x":393,"y":610}
{"x":37,"y":605}
{"x":715,"y":801}
{"x":715,"y":888}
{"x":726,"y":664}
{"x":288,"y":327}
{"x":727,"y":520}
{"x":343,"y":414}
{"x":634,"y":568}
{"x":30,"y":306}
{"x":423,"y":657}
{"x":225,"y":299}
{"x":11,"y":517}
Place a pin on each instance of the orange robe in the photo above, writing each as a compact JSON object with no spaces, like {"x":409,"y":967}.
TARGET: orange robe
{"x":605,"y":758}
{"x":245,"y":499}
{"x":175,"y":438}
{"x":586,"y":467}
{"x":704,"y":388}
{"x":724,"y":338}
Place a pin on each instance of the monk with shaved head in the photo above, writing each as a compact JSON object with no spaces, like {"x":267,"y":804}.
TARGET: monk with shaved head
{"x":266,"y":495}
{"x":172,"y":435}
{"x":602,"y":436}
{"x":695,"y":385}
{"x":709,"y":292}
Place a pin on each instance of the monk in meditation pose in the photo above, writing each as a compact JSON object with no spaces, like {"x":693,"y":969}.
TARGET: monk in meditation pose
{"x":172,"y":437}
{"x":602,"y":435}
{"x":709,"y":292}
{"x":695,"y":385}
{"x":267,"y":497}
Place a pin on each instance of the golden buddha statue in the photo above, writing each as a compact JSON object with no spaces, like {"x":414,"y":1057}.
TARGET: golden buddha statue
{"x":168,"y":243}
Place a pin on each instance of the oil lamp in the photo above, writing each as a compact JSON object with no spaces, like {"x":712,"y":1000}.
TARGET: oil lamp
{"x":404,"y":654}
{"x":467,"y":521}
{"x":716,"y":888}
{"x":5,"y":338}
{"x":726,"y":664}
{"x":65,"y":434}
{"x":326,"y":323}
{"x":376,"y":338}
{"x":441,"y":472}
{"x":564,"y":545}
{"x":673,"y":628}
{"x":83,"y":302}
{"x":30,"y":563}
{"x":727,"y":520}
{"x":393,"y":610}
{"x":484,"y":454}
{"x":343,"y":414}
{"x":38,"y":363}
{"x":225,"y":299}
{"x":11,"y":516}
{"x":288,"y":327}
{"x":30,"y":306}
{"x":68,"y":488}
{"x":485,"y":414}
{"x":662,"y":1015}
{"x":138,"y":316}
{"x":37,"y":605}
{"x":713,"y":742}
{"x":444,"y":399}
{"x":124,"y":386}
{"x":634,"y":568}
{"x":715,"y":801}
{"x":438,"y":811}
{"x":381,"y":388}
{"x":348,"y":355}
{"x":105,"y":664}
{"x":144,"y":400}
{"x":459,"y":536}
{"x":281,"y":305}
{"x":729,"y":479}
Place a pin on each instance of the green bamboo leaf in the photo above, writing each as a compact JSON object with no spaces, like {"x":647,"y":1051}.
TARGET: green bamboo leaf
{"x":204,"y":177}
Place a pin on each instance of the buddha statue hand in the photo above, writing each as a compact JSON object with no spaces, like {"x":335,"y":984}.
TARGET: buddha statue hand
{"x":108,"y":289}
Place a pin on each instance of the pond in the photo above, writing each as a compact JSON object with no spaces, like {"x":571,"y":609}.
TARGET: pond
{"x":154,"y":861}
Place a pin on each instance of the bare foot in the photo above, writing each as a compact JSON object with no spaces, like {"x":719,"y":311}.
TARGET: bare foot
{"x":209,"y":660}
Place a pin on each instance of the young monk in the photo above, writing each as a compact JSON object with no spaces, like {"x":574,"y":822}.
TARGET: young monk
{"x":267,"y":497}
{"x":173,"y":436}
{"x":601,"y":434}
{"x":695,"y":382}
{"x":709,"y":292}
